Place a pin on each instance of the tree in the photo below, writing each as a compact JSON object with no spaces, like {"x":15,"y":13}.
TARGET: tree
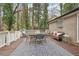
{"x":53,"y":10}
{"x":14,"y":11}
{"x":1,"y":11}
{"x":69,"y":6}
{"x":8,"y":17}
{"x":25,"y":16}
{"x":32,"y":16}
{"x":40,"y":16}
{"x":36,"y":10}
{"x":44,"y":21}
{"x":17,"y":21}
{"x":38,"y":13}
{"x":61,"y":8}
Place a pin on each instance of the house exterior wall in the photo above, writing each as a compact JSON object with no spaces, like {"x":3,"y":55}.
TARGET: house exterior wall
{"x":70,"y":27}
{"x":52,"y":27}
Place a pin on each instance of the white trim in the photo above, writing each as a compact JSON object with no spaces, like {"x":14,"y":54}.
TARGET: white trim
{"x":77,"y":28}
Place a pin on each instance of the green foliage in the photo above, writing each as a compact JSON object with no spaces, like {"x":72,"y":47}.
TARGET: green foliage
{"x":36,"y":15}
{"x":40,"y":15}
{"x":64,"y":8}
{"x":18,"y":21}
{"x":25,"y":17}
{"x":44,"y":21}
{"x":61,"y":8}
{"x":8,"y":17}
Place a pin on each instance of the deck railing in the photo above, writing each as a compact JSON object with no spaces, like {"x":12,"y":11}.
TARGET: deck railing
{"x":7,"y":37}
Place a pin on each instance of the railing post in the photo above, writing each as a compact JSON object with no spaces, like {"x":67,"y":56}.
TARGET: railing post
{"x":8,"y":38}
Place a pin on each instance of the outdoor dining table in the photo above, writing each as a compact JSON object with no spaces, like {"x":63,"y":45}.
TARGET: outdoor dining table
{"x":38,"y":36}
{"x":34,"y":35}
